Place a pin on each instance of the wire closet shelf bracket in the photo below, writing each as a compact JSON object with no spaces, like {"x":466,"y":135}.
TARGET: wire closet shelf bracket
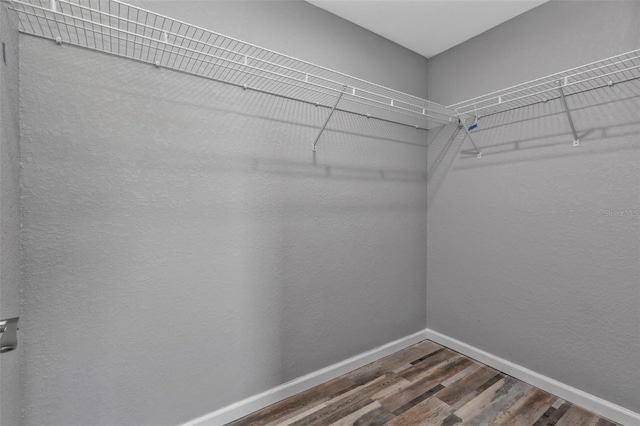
{"x":128,"y":31}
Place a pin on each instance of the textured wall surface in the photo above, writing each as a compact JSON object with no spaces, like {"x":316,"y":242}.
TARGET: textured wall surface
{"x":181,"y":250}
{"x":533,"y":251}
{"x":10,"y":402}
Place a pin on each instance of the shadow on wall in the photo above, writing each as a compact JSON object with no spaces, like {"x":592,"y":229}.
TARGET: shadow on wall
{"x":344,"y":132}
{"x":444,"y":147}
{"x":150,"y":195}
{"x":539,"y":132}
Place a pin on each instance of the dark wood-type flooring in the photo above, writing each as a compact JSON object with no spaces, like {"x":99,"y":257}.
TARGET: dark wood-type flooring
{"x":424,"y":384}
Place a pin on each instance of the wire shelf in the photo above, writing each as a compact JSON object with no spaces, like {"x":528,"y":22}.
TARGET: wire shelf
{"x":124,"y":30}
{"x":605,"y":72}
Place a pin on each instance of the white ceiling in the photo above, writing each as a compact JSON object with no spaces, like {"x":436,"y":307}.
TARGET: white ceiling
{"x":427,"y":27}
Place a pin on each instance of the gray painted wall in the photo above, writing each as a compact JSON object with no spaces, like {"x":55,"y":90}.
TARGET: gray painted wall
{"x":533,"y":252}
{"x":10,"y":401}
{"x":181,"y":251}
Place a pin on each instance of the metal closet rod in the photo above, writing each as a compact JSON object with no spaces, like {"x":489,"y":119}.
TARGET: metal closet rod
{"x":190,"y":39}
{"x":279,"y":95}
{"x":160,"y":45}
{"x":492,"y":113}
{"x":553,"y":89}
{"x":316,"y":104}
{"x":233,"y":64}
{"x":295,"y":82}
{"x":548,"y":84}
{"x":595,"y":75}
{"x":562,"y":96}
{"x":260,"y":48}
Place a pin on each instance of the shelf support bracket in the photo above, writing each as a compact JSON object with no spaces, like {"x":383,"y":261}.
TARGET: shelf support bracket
{"x":576,"y":140}
{"x":324,"y":126}
{"x":478,"y":152}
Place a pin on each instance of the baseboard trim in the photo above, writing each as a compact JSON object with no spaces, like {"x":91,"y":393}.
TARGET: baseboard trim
{"x":249,"y":405}
{"x":590,"y":402}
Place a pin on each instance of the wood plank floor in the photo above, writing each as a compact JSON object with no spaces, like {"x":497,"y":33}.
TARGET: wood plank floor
{"x":424,"y":384}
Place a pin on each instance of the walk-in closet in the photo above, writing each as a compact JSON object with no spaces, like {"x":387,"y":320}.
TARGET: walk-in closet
{"x":319,"y":212}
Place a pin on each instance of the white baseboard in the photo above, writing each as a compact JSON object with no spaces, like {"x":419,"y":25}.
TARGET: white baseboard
{"x":590,"y":402}
{"x":249,"y":405}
